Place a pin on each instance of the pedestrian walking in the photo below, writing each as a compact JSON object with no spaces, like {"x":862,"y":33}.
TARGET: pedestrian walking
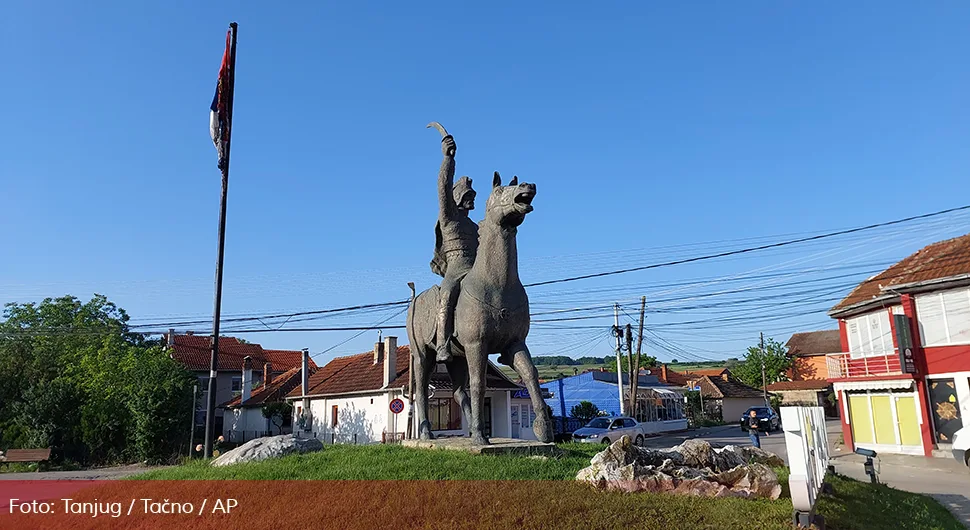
{"x":753,"y":431}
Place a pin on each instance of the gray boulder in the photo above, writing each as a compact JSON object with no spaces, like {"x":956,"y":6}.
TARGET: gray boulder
{"x":268,"y":447}
{"x":692,"y":468}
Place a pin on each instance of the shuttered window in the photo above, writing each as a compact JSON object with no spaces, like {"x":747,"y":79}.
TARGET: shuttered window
{"x":944,"y":317}
{"x":870,"y":335}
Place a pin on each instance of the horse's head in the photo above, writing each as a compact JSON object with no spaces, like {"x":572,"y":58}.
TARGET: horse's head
{"x":508,"y":205}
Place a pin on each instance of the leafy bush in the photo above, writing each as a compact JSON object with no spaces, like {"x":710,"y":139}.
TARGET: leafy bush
{"x":584,"y":411}
{"x":79,"y":382}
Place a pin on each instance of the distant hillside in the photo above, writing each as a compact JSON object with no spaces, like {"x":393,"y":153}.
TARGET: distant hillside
{"x":555,"y":366}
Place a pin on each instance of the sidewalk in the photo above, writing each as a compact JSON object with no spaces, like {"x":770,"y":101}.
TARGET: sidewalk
{"x":944,"y":479}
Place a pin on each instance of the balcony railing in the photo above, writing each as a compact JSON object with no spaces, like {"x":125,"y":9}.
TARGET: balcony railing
{"x":843,"y":365}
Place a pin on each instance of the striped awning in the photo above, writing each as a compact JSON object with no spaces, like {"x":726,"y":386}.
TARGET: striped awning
{"x":885,"y":384}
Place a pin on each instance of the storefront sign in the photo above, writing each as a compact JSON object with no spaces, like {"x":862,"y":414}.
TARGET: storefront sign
{"x":524,"y":394}
{"x":808,"y":456}
{"x":905,"y":341}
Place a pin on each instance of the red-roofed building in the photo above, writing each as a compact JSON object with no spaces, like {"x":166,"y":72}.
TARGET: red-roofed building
{"x":244,"y":419}
{"x":195,"y":351}
{"x":910,"y":401}
{"x":349,"y":399}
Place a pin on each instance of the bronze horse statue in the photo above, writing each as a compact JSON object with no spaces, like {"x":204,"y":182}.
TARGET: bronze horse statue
{"x":492,"y":316}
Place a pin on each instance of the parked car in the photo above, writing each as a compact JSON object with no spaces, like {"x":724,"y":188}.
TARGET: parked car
{"x":768,"y":419}
{"x":608,"y":430}
{"x":961,"y":445}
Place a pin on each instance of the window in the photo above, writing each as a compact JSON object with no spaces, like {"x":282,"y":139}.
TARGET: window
{"x":444,"y":413}
{"x":333,"y":416}
{"x":617,"y":424}
{"x":944,"y":317}
{"x":870,"y":335}
{"x":236,"y":386}
{"x":629,"y":423}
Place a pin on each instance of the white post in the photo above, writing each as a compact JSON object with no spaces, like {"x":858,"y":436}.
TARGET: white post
{"x":808,"y":457}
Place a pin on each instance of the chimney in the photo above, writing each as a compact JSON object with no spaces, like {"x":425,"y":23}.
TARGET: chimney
{"x":378,"y":352}
{"x":305,"y":372}
{"x":267,"y":373}
{"x":247,"y":378}
{"x":663,"y":372}
{"x":390,"y":360}
{"x":171,"y":337}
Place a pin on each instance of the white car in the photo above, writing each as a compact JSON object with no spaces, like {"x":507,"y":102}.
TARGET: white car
{"x":961,"y":445}
{"x":608,"y":430}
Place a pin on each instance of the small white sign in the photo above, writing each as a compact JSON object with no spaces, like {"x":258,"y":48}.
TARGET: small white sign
{"x":808,"y":454}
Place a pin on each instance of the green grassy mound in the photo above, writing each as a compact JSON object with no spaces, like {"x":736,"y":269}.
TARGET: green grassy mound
{"x":853,"y":505}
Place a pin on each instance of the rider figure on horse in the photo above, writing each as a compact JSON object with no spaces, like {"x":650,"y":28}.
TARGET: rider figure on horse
{"x":456,"y":244}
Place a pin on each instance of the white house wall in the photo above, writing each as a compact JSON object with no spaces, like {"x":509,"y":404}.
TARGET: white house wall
{"x":243,"y":419}
{"x":369,"y":417}
{"x":362,"y":416}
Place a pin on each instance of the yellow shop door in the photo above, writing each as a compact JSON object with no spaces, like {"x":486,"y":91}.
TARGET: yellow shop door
{"x":908,"y":421}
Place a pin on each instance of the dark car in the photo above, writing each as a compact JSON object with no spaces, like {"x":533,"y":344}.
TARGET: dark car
{"x":768,"y":420}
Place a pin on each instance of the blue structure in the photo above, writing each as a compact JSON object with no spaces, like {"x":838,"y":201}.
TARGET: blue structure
{"x":660,"y":405}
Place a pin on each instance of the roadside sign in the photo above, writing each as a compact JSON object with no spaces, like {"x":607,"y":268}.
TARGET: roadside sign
{"x":397,"y":405}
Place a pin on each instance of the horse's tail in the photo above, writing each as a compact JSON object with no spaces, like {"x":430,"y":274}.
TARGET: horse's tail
{"x":410,"y":324}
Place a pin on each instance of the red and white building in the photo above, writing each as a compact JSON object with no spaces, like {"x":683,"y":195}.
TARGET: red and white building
{"x":910,"y":405}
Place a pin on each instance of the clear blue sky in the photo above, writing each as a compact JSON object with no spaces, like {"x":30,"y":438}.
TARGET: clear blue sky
{"x":644,"y":126}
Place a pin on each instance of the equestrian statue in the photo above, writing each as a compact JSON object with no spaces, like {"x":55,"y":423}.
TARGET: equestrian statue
{"x":481,"y":307}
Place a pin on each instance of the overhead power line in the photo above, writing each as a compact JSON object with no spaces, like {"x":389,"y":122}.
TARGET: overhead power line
{"x":748,"y":249}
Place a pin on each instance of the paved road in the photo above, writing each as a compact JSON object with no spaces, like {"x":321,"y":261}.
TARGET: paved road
{"x":106,"y":473}
{"x":733,"y":435}
{"x":945,"y":479}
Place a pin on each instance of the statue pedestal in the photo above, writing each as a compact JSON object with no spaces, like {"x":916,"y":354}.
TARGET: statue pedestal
{"x":498,"y":446}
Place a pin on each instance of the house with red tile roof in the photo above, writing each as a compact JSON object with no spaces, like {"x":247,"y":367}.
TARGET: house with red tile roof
{"x":348,"y":400}
{"x":726,"y":397}
{"x":195,"y":351}
{"x":808,"y":350}
{"x":244,"y":419}
{"x":902,"y":375}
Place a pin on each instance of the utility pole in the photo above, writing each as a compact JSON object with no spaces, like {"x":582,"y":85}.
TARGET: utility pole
{"x":195,"y":407}
{"x":632,"y":370}
{"x":227,"y":93}
{"x":619,"y":371}
{"x":636,"y":381}
{"x":411,"y":429}
{"x":764,"y":379}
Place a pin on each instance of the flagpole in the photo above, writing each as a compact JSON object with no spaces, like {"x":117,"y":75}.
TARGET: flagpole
{"x":210,"y":423}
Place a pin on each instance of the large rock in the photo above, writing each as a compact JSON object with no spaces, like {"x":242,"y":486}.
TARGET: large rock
{"x":268,"y":447}
{"x":692,"y":468}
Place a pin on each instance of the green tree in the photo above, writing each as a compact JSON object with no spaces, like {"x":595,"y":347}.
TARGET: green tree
{"x":776,"y":362}
{"x":646,"y":362}
{"x":584,"y":411}
{"x":591,"y":360}
{"x":277,"y":413}
{"x":78,"y":381}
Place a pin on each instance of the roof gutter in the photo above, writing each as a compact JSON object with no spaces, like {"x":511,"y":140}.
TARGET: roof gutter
{"x":960,"y":279}
{"x":353,"y":393}
{"x":858,"y":307}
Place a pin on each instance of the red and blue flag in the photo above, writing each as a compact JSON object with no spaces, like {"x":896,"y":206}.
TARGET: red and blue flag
{"x":219,"y":117}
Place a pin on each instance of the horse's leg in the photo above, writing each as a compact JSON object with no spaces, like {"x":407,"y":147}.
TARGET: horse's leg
{"x":522,"y":362}
{"x":424,"y":365}
{"x":458,"y":370}
{"x":477,"y":361}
